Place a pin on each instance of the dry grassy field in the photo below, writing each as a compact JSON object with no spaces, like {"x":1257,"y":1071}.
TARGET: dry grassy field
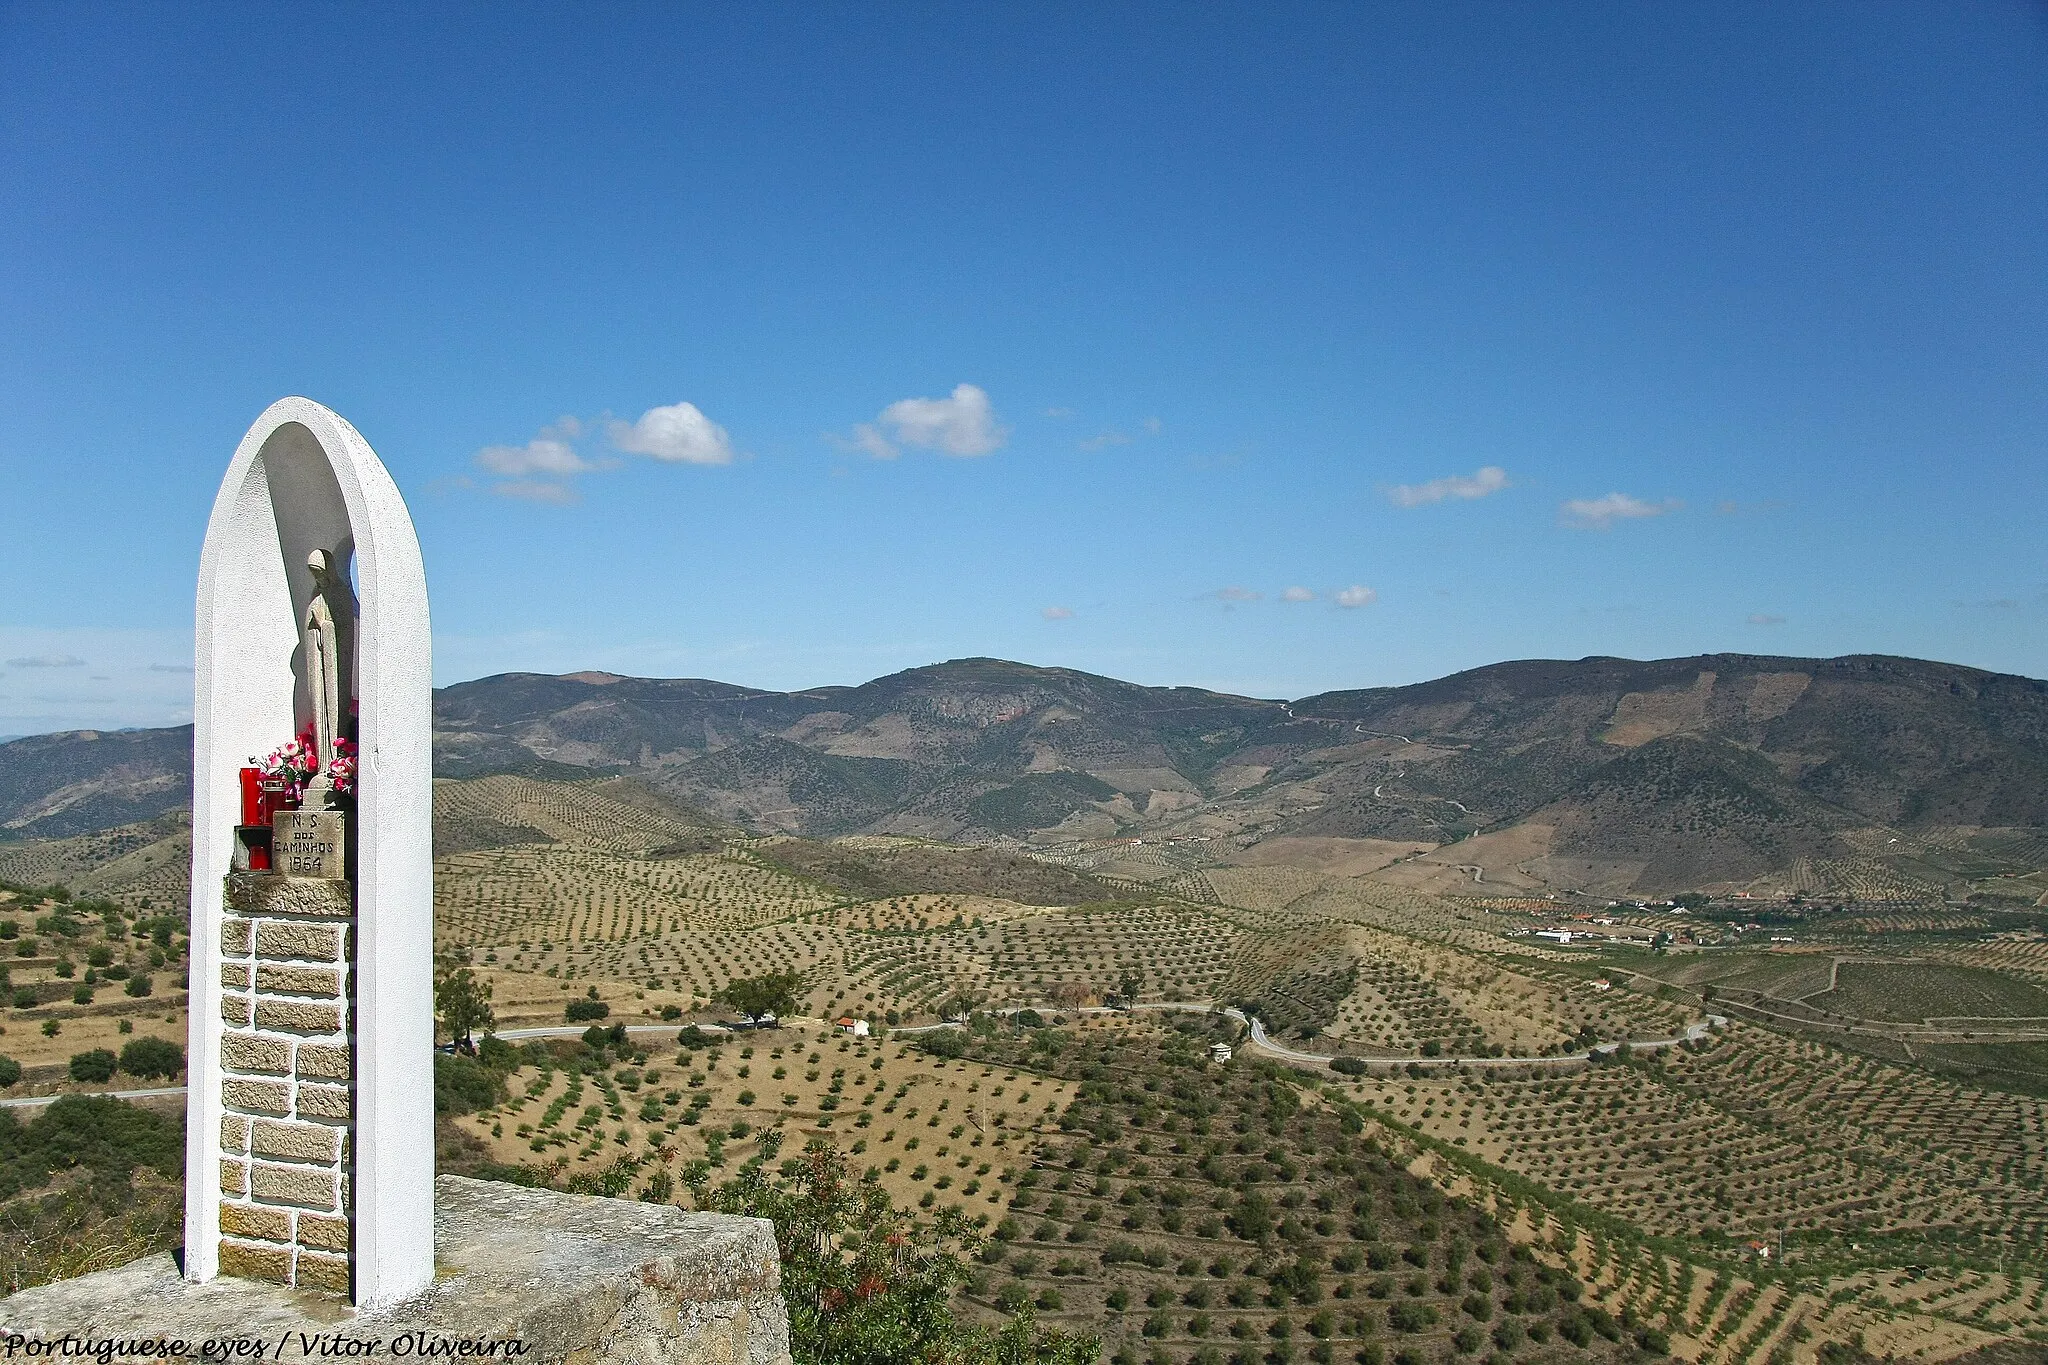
{"x":933,"y":1131}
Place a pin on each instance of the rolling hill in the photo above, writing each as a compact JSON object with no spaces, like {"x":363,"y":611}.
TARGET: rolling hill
{"x":1604,"y":775}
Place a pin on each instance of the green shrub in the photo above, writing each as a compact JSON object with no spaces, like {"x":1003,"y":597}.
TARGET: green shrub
{"x":463,"y":1084}
{"x":888,"y":1297}
{"x":578,"y":1011}
{"x":104,"y":1135}
{"x":1410,"y":1317}
{"x":138,"y":985}
{"x":1348,"y":1066}
{"x":96,"y":1066}
{"x":945,"y":1042}
{"x":10,"y":1072}
{"x":150,"y":1057}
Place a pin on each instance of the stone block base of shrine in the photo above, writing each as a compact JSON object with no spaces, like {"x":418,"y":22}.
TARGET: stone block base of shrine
{"x":526,"y":1276}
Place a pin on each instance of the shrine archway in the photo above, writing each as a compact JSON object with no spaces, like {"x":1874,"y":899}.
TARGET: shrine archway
{"x":297,"y":1109}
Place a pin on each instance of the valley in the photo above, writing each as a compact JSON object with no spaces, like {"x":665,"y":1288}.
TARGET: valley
{"x":1448,"y":1148}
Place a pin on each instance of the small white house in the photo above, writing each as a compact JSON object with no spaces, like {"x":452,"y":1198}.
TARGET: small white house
{"x":1555,"y":935}
{"x":852,"y":1028}
{"x":1219,"y":1052}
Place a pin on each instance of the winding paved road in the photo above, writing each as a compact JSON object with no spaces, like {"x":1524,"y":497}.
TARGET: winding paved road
{"x":1259,"y":1040}
{"x":509,"y":1035}
{"x":1693,"y":1033}
{"x":38,"y":1101}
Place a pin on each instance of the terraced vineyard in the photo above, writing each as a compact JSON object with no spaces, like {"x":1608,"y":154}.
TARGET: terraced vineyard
{"x":1181,"y":952}
{"x":1405,"y":1012}
{"x":583,"y":895}
{"x":137,"y":866}
{"x":932,"y":1131}
{"x":1917,"y":992}
{"x":1204,"y":1215}
{"x":2024,"y":957}
{"x":1756,"y":1133}
{"x":492,"y":812}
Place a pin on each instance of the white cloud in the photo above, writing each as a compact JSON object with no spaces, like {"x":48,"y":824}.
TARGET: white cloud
{"x":1597,"y":514}
{"x":1235,"y":594}
{"x":679,"y":434}
{"x":1105,"y":440}
{"x":963,"y":424}
{"x":1297,"y":595}
{"x":542,"y":455}
{"x":170,"y":668}
{"x":1058,"y":613}
{"x":539,"y":470}
{"x":1478,"y":484}
{"x":536,"y":470}
{"x":1059,"y":414}
{"x":1357,"y":595}
{"x":1153,"y":426}
{"x":868,"y":438}
{"x":1758,"y":618}
{"x":86,"y":678}
{"x":536,"y":490}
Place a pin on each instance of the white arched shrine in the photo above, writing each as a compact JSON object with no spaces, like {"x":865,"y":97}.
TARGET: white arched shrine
{"x":310,"y":1113}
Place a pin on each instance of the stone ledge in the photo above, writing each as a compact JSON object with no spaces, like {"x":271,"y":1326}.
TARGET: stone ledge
{"x":574,"y":1278}
{"x":274,"y":893}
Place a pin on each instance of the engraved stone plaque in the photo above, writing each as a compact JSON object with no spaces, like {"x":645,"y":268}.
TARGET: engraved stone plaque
{"x":308,"y":843}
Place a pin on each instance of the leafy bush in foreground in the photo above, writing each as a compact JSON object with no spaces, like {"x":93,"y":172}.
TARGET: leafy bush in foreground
{"x":865,"y":1283}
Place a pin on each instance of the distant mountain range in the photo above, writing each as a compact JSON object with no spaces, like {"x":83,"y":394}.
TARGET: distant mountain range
{"x":1602,"y":773}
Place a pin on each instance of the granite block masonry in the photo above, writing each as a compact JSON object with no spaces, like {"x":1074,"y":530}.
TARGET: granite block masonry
{"x":567,"y":1279}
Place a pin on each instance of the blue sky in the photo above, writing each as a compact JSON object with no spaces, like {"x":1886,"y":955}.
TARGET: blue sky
{"x":1076,"y":335}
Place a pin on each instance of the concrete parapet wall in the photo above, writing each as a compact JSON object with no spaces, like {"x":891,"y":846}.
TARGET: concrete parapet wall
{"x":569,"y":1279}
